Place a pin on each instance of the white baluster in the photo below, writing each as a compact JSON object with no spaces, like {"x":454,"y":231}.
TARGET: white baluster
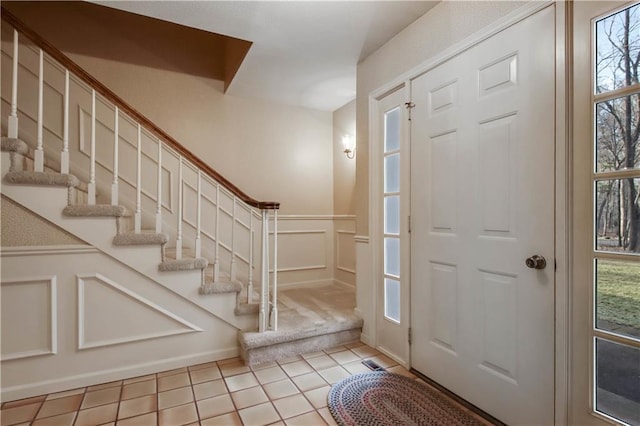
{"x":274,"y":306}
{"x":12,"y":130}
{"x":232,"y":269}
{"x":116,"y":141}
{"x":263,"y":319}
{"x":179,"y":233}
{"x":216,"y":264}
{"x":39,"y":153}
{"x":159,"y":191}
{"x":198,"y":211}
{"x":92,"y":155}
{"x":138,"y":214}
{"x":64,"y":155}
{"x":250,"y":282}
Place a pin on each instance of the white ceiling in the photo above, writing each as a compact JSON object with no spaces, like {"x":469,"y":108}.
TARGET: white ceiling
{"x":304,"y":53}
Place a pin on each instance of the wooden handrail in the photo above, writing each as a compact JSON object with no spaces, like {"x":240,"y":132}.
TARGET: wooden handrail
{"x":105,"y":92}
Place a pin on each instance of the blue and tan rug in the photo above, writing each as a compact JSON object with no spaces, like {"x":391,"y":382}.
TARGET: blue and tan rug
{"x":382,"y":398}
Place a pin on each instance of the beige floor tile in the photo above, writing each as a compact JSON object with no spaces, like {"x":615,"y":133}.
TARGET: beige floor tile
{"x":180,"y":415}
{"x":334,"y":374}
{"x":201,"y":366}
{"x":26,"y":401}
{"x":356,"y":367}
{"x":137,"y":389}
{"x":280,"y":423}
{"x":23,"y":413}
{"x":215,"y":406}
{"x":100,"y":397}
{"x":59,"y":420}
{"x":383,"y":361}
{"x":264,"y":365}
{"x":172,"y":372}
{"x":398,"y":369}
{"x":58,"y":406}
{"x":137,"y":406}
{"x":233,"y":368}
{"x":326,"y":415}
{"x":205,"y":374}
{"x":318,"y":397}
{"x":321,"y":362}
{"x":139,"y":379}
{"x":344,"y":357}
{"x":97,"y":415}
{"x":292,"y":406}
{"x":241,"y":381}
{"x":65,"y":393}
{"x":312,"y":354}
{"x":309,"y":381}
{"x":104,"y":386}
{"x":289,"y":359}
{"x":248,"y":397}
{"x":270,"y":374}
{"x":296,"y":368}
{"x":259,"y":415}
{"x":335,"y":349}
{"x":365,"y":351}
{"x":354,"y":345}
{"x":280,"y":389}
{"x":175,"y":397}
{"x":229,"y":419}
{"x":173,"y":381}
{"x":309,"y":419}
{"x":209,"y":389}
{"x":149,"y":419}
{"x":234,"y":360}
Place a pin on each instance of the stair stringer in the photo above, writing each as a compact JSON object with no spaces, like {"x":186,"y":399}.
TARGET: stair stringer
{"x":48,"y":202}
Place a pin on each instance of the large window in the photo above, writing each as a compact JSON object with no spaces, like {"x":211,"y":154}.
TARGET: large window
{"x":392,"y":214}
{"x":616,"y":202}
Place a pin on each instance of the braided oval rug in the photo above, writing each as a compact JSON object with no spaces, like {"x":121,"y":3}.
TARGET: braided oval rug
{"x":382,"y":398}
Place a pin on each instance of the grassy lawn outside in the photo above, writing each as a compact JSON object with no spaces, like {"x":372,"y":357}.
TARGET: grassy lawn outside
{"x":618,"y":294}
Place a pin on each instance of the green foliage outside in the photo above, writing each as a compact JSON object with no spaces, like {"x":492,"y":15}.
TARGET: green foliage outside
{"x":618,"y":294}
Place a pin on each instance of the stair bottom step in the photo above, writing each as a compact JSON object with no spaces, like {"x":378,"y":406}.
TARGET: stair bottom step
{"x":289,"y":348}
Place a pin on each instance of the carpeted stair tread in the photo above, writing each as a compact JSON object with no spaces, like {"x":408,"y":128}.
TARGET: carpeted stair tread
{"x":143,"y":238}
{"x":251,"y":340}
{"x":184,"y":264}
{"x":14,"y":145}
{"x":247,"y":309}
{"x":42,"y":178}
{"x":97,"y":210}
{"x":221,"y":287}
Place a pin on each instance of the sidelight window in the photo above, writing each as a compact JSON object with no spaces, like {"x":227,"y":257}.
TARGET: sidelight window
{"x":616,"y":230}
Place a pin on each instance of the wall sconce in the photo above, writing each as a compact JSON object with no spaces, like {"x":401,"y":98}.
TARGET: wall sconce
{"x":349,"y":146}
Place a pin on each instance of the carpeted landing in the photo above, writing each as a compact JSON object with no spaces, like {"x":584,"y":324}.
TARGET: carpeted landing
{"x":310,"y":319}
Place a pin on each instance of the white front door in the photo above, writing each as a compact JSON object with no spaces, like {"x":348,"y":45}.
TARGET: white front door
{"x":482,"y":203}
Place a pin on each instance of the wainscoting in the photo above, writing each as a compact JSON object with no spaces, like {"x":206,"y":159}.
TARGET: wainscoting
{"x":316,"y":249}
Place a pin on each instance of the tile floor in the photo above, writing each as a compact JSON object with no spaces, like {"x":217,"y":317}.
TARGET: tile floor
{"x":291,"y":391}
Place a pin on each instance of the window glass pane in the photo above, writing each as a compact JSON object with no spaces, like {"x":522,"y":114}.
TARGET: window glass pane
{"x":618,"y":297}
{"x":617,"y":212}
{"x":617,"y":135}
{"x":616,"y":60}
{"x":617,"y":384}
{"x":392,"y":256}
{"x":392,"y":173}
{"x":392,"y":214}
{"x":392,"y":299}
{"x":392,"y":130}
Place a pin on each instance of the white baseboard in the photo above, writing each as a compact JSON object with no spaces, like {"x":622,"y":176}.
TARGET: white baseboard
{"x":305,"y":284}
{"x":345,"y":284}
{"x":105,"y":376}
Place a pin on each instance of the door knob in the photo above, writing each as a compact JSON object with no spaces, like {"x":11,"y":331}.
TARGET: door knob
{"x":536,"y":262}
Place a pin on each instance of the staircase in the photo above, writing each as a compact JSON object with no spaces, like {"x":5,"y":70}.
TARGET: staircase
{"x":132,"y":192}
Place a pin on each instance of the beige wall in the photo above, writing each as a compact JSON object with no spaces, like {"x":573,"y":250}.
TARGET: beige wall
{"x":270,"y":151}
{"x":444,"y":25}
{"x":21,"y":227}
{"x":344,"y":169}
